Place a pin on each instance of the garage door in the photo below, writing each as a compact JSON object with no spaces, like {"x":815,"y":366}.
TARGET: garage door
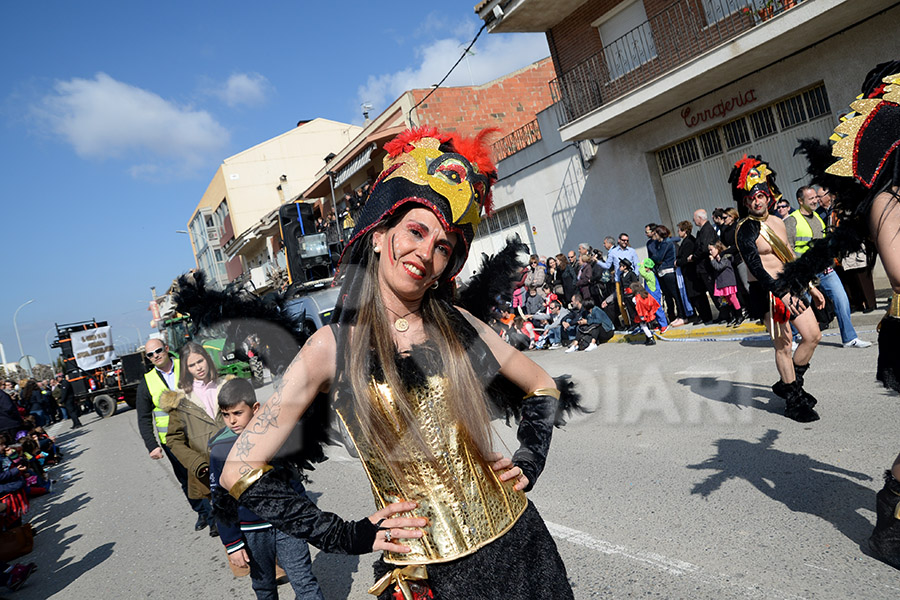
{"x":694,"y":171}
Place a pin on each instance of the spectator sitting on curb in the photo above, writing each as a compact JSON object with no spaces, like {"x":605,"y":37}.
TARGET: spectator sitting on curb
{"x":593,"y":326}
{"x":554,"y":334}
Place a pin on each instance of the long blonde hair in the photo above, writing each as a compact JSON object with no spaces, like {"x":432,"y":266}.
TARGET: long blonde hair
{"x":369,"y":342}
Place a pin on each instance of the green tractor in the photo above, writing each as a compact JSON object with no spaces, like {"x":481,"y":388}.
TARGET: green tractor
{"x":177,"y":332}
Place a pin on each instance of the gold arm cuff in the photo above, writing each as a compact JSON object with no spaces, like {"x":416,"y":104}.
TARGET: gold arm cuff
{"x":894,"y":309}
{"x":543,"y":392}
{"x":248,"y":479}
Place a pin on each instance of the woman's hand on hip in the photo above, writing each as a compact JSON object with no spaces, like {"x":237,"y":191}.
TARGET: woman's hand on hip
{"x":510,"y":471}
{"x":393,"y":528}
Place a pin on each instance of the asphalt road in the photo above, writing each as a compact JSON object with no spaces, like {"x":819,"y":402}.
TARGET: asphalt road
{"x":684,"y":482}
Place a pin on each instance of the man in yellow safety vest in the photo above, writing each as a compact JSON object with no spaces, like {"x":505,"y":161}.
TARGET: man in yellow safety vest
{"x":153,"y":422}
{"x":803,"y":226}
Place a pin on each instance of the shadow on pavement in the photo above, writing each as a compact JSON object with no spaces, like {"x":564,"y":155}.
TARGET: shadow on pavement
{"x":737,"y":393}
{"x":335,"y":573}
{"x":801,"y":483}
{"x":52,"y":540}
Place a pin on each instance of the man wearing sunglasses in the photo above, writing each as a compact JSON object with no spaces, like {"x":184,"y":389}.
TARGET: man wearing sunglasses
{"x":782,"y":209}
{"x":153,"y":422}
{"x":622,"y":250}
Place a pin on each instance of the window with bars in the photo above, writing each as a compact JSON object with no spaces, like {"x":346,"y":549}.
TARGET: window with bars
{"x":503,"y":219}
{"x":791,"y":112}
{"x":668,"y":159}
{"x":736,"y":133}
{"x":688,"y":153}
{"x":710,"y":143}
{"x":816,"y":102}
{"x":763,"y":123}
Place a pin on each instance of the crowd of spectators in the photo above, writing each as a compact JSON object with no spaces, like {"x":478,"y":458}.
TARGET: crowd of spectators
{"x":26,"y":454}
{"x":580,"y":298}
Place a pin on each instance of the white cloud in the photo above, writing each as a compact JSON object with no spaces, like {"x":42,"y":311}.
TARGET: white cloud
{"x":103,"y":118}
{"x":495,"y":55}
{"x":249,"y":89}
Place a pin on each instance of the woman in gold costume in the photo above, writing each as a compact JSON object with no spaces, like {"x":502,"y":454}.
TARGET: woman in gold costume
{"x":411,"y":377}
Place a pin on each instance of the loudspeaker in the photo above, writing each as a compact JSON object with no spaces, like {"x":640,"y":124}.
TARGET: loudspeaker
{"x":297,"y":222}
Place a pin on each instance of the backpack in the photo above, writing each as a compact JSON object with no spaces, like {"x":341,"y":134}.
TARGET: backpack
{"x":600,"y":279}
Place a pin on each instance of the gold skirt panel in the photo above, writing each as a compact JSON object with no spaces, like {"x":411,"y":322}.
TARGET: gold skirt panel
{"x":466,"y":504}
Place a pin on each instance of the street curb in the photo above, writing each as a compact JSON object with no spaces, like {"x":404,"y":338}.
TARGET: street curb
{"x":687,"y":332}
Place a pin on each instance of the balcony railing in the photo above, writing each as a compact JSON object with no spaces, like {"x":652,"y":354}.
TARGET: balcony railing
{"x":680,"y":32}
{"x":519,"y":139}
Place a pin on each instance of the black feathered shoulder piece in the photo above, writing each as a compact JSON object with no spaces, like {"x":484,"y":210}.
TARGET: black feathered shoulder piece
{"x":275,"y":335}
{"x":247,"y":319}
{"x":494,"y":277}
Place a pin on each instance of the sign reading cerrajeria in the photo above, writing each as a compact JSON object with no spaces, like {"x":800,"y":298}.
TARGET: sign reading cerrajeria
{"x":692,"y":119}
{"x":93,"y":348}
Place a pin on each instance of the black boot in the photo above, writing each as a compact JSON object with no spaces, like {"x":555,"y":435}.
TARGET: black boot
{"x":800,"y":371}
{"x":780,"y":389}
{"x":798,"y":404}
{"x":885,"y":539}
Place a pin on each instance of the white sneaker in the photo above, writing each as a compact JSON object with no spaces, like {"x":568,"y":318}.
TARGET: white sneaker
{"x":555,"y":346}
{"x":857,"y":343}
{"x":572,"y":348}
{"x":591,"y":346}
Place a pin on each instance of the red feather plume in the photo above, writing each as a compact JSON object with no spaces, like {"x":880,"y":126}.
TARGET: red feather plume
{"x":746,"y":164}
{"x":404,"y":141}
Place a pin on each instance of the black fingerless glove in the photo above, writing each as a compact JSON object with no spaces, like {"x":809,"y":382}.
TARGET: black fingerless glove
{"x":274,"y":499}
{"x":534,"y":434}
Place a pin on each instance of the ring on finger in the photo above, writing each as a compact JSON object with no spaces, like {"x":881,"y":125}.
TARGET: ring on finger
{"x":387,"y":535}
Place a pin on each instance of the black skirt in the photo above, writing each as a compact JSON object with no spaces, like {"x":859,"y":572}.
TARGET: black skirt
{"x":522,"y":564}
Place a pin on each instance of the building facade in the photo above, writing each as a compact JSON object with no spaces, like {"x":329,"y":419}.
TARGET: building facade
{"x":655,"y":100}
{"x":233,"y":229}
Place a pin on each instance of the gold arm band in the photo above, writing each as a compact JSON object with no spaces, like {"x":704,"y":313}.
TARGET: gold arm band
{"x":894,"y":310}
{"x":248,"y":479}
{"x":543,"y":392}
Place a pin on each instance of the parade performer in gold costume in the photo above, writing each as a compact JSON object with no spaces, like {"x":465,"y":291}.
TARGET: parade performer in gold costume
{"x":762,"y":241}
{"x":411,"y":376}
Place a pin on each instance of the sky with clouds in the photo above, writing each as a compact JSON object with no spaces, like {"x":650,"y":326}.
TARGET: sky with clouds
{"x":114,"y":116}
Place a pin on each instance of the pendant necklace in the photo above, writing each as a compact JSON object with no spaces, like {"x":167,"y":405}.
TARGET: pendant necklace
{"x":401,"y":324}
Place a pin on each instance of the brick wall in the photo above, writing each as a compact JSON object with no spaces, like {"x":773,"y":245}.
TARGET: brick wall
{"x":574,"y":39}
{"x":506,"y":103}
{"x":679,"y":30}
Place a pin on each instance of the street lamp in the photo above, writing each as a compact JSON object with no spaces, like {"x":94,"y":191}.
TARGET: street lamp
{"x":47,"y":344}
{"x":18,"y":337}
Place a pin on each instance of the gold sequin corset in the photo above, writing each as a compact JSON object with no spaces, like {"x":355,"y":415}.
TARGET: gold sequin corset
{"x":464,"y":501}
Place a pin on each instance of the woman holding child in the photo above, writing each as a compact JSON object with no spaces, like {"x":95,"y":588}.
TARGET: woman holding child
{"x":408,"y":375}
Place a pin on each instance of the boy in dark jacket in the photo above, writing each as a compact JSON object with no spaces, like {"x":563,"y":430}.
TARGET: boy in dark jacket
{"x":255,"y":542}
